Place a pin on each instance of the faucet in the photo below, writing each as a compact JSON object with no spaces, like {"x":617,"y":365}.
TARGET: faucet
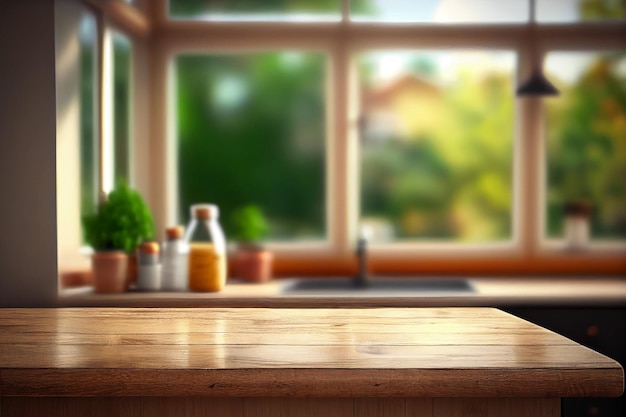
{"x":362,"y":280}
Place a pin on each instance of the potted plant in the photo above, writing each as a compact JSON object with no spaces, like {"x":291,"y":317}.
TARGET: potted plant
{"x":122,"y":222}
{"x":252,"y":262}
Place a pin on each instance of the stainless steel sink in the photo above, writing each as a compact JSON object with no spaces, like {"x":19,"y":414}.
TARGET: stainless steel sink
{"x":379,"y":286}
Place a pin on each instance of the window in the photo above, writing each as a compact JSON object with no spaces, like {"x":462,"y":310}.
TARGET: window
{"x":122,"y":105}
{"x":394,"y":117}
{"x":436,"y":145}
{"x":251,"y":131}
{"x":89,"y":105}
{"x":432,"y":148}
{"x":586,"y":140}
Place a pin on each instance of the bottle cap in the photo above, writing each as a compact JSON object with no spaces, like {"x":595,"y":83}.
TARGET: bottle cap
{"x":149,"y":248}
{"x":175,"y":232}
{"x":205,"y":211}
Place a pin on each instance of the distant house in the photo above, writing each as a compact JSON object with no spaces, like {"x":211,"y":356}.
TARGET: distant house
{"x":408,"y":108}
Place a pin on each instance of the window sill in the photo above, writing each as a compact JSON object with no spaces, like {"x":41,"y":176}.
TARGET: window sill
{"x":550,"y":260}
{"x":502,"y":291}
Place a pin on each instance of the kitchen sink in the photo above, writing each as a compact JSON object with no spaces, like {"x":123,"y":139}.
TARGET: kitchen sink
{"x":379,"y":285}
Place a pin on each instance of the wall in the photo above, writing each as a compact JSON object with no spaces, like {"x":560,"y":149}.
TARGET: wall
{"x":67,"y":45}
{"x":28,"y":266}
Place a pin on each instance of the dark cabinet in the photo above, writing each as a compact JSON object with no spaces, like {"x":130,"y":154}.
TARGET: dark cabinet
{"x":601,"y":329}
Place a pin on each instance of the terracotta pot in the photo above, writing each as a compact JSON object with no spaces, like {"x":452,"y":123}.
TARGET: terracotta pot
{"x":254,"y":265}
{"x":110,"y":271}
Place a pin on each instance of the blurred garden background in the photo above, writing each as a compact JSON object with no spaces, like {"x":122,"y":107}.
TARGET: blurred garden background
{"x":436,"y":132}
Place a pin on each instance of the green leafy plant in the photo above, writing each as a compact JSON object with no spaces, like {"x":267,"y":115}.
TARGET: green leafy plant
{"x":249,"y":225}
{"x":122,"y":222}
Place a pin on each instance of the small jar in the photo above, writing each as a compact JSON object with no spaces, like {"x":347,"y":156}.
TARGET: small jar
{"x":577,"y":217}
{"x":207,"y":249}
{"x":148,"y":267}
{"x":174,"y":259}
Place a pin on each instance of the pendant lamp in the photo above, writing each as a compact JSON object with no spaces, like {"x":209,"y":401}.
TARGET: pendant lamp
{"x":537,"y":84}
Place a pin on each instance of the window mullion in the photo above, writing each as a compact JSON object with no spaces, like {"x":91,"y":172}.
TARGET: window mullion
{"x":528,"y":159}
{"x":340,"y":179}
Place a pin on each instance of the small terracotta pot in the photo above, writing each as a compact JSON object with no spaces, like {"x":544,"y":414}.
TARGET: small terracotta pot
{"x":253,"y":264}
{"x":110,"y":271}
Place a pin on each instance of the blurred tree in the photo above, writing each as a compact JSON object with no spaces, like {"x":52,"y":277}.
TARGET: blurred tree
{"x":122,"y":74}
{"x":587,"y":147}
{"x":252,"y":131}
{"x":602,"y":9}
{"x":88,"y":135}
{"x":195,"y":8}
{"x":251,"y":127}
{"x":454,"y":180}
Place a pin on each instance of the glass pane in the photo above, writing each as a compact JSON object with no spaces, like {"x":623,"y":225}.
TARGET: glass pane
{"x":440,"y":11}
{"x":89,"y":150}
{"x":251,"y":130}
{"x":580,"y":10}
{"x":122,"y":75}
{"x":436,"y":145}
{"x":297,"y":10}
{"x":586,"y":140}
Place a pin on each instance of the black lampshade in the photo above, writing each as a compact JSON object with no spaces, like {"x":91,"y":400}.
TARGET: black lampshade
{"x":537,"y":85}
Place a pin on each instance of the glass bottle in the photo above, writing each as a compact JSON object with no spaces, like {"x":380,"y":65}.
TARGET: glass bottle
{"x":175,"y":258}
{"x":207,"y":249}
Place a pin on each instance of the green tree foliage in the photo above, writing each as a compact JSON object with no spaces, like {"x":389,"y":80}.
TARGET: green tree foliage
{"x":454,"y":181}
{"x":587,"y":147}
{"x":602,"y":9}
{"x":88,"y":135}
{"x":122,"y":75}
{"x":194,"y":8}
{"x":251,"y":129}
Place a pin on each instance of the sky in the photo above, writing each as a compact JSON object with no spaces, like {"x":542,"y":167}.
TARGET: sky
{"x":431,"y":11}
{"x":391,"y":64}
{"x":451,"y":11}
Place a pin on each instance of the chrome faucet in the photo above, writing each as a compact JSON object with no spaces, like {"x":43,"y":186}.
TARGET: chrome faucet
{"x":361,"y":280}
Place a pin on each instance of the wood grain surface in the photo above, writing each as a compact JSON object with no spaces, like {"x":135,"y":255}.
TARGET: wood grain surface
{"x":388,"y":352}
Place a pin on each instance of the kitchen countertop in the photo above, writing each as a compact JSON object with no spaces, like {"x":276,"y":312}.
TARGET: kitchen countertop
{"x":493,"y":291}
{"x":391,"y":352}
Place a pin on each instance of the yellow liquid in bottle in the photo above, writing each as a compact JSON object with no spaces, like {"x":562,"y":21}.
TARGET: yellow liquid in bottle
{"x":207,"y":268}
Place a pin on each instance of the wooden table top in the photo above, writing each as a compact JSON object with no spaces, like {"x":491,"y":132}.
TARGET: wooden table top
{"x":395,"y":352}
